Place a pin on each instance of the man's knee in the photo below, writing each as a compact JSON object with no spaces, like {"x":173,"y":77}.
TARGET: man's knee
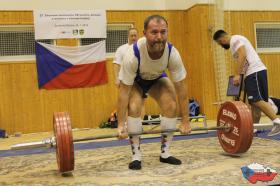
{"x":169,"y":107}
{"x":135,"y":108}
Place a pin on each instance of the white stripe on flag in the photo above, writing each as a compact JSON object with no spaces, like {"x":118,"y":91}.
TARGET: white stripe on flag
{"x":79,"y":54}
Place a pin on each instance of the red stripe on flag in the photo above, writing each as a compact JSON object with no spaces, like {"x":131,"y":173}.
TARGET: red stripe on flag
{"x":85,"y":75}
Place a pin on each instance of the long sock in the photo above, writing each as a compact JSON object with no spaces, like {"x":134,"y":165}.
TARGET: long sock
{"x":134,"y":125}
{"x":166,"y":138}
{"x":135,"y":147}
{"x":165,"y":143}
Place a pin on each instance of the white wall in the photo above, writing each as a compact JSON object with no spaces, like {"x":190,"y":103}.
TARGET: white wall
{"x":134,"y":4}
{"x":258,"y":5}
{"x":99,"y":4}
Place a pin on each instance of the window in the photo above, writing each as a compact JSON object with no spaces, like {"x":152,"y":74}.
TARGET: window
{"x":18,"y":40}
{"x":116,"y":36}
{"x":267,"y":37}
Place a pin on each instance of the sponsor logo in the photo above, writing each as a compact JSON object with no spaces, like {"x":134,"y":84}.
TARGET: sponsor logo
{"x":75,"y":32}
{"x":229,"y":114}
{"x":81,"y":31}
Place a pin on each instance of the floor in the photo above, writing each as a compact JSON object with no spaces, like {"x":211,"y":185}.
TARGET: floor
{"x":204,"y":163}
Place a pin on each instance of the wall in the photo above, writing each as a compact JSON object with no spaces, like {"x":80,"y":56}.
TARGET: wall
{"x":199,"y":59}
{"x":252,"y":5}
{"x":97,"y":4}
{"x":25,"y":108}
{"x":137,"y":5}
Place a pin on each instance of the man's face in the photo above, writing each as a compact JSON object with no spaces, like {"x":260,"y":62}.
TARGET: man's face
{"x":132,"y":36}
{"x":156,"y":35}
{"x":223,"y":42}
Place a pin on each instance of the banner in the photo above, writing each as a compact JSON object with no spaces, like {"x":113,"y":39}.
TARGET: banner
{"x":61,"y":67}
{"x":50,"y":24}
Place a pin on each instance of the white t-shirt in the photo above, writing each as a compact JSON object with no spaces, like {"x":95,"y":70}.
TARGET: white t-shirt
{"x":120,"y":53}
{"x":253,"y":62}
{"x":151,"y":69}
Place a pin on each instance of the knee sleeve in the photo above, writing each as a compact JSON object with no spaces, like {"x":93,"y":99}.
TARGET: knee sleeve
{"x":168,"y":123}
{"x":134,"y":125}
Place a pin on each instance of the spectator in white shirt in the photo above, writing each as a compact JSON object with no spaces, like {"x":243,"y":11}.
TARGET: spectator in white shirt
{"x":121,"y":51}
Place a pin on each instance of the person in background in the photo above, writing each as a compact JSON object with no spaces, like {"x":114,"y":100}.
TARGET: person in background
{"x":121,"y":51}
{"x":255,"y":73}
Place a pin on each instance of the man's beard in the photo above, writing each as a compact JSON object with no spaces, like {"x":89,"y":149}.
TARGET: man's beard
{"x":225,"y":46}
{"x":158,"y":46}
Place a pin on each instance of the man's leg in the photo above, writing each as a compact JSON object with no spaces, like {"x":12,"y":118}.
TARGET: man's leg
{"x":269,"y":112}
{"x":256,"y":87}
{"x":134,"y":125}
{"x":256,"y":113}
{"x":164,"y":93}
{"x":265,"y":108}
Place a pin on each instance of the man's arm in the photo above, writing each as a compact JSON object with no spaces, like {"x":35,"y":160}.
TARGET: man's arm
{"x":123,"y":99}
{"x":126,"y":76}
{"x":117,"y":65}
{"x":241,"y":61}
{"x":116,"y":72}
{"x":182,"y":95}
{"x":181,"y":90}
{"x":178,"y":73}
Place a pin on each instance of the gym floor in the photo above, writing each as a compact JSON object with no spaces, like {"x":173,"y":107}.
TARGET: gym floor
{"x":105,"y":163}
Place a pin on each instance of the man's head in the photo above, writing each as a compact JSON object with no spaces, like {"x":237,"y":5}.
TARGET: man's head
{"x":155,"y":30}
{"x":132,"y":35}
{"x":222,"y":38}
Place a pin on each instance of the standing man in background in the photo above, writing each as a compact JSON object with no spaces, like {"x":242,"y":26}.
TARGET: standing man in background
{"x":121,"y":51}
{"x":255,"y":73}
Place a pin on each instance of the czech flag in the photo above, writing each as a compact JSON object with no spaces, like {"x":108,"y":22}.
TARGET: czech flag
{"x":64,"y":67}
{"x":256,"y":172}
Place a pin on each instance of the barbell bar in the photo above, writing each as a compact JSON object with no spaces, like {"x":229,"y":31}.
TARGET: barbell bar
{"x":50,"y":142}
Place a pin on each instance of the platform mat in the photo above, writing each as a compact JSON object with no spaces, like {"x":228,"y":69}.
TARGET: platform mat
{"x":204,"y":163}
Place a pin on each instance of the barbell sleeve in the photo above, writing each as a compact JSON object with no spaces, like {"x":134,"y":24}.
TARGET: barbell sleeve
{"x":46,"y":143}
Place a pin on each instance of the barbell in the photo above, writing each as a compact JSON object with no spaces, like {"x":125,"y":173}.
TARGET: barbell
{"x":234,"y":131}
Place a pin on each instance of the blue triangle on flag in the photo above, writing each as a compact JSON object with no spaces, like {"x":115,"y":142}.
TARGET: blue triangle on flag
{"x":247,"y":172}
{"x":49,"y":65}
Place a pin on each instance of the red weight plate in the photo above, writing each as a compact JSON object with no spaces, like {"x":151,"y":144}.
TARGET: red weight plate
{"x":246,"y":143}
{"x":57,"y":134}
{"x":64,"y":142}
{"x":71,"y":145}
{"x":239,"y":138}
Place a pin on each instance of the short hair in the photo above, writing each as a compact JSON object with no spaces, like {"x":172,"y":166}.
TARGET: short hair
{"x":218,"y":34}
{"x":132,"y":28}
{"x":151,"y":17}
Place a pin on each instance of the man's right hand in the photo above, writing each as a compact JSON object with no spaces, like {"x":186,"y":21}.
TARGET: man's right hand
{"x":122,"y":131}
{"x":236,"y":80}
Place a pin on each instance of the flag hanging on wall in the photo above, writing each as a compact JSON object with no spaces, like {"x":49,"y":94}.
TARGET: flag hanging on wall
{"x":63,"y":67}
